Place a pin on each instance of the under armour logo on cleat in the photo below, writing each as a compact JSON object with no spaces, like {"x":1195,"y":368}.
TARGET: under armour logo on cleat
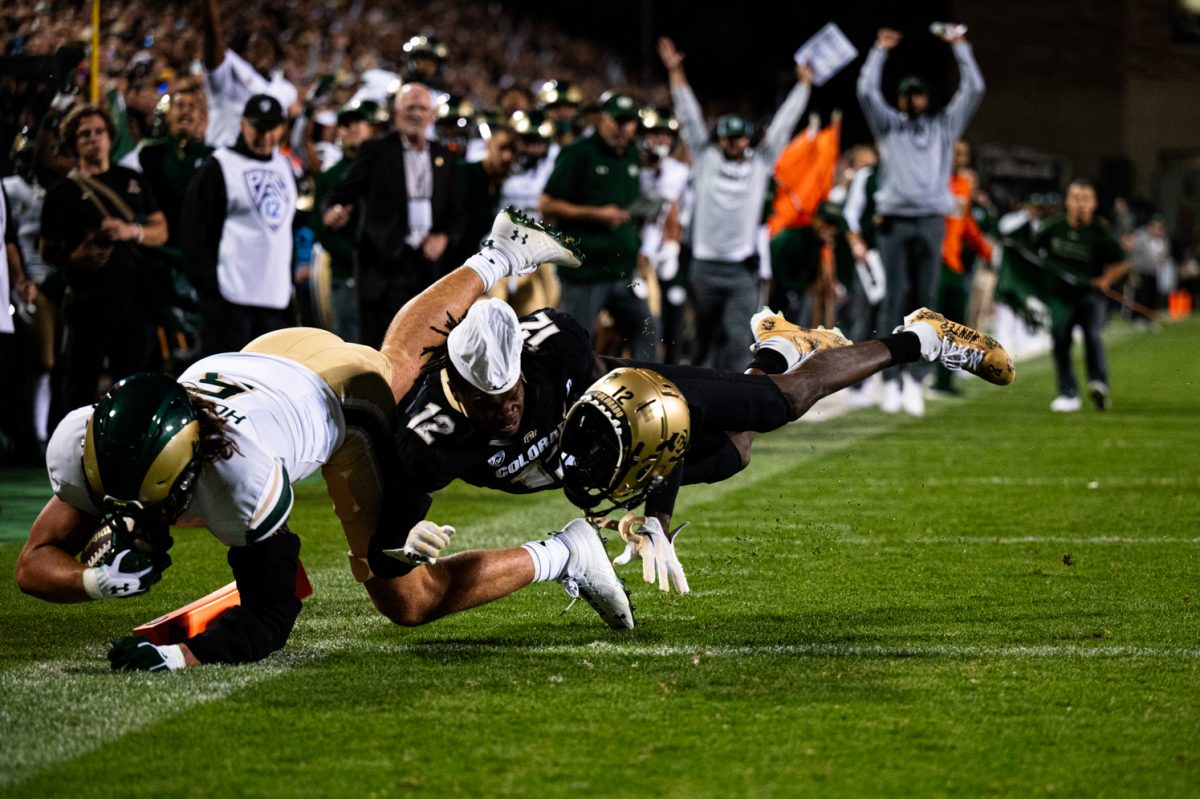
{"x":519,"y":236}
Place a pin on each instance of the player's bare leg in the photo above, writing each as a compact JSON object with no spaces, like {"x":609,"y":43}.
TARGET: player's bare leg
{"x":518,"y":245}
{"x":455,"y":583}
{"x":926,"y":335}
{"x":829,"y":371}
{"x":574,"y":557}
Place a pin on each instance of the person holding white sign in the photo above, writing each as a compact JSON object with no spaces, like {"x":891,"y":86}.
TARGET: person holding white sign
{"x":915,"y":147}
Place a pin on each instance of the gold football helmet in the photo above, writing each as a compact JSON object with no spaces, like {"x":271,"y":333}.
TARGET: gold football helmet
{"x":623,"y":437}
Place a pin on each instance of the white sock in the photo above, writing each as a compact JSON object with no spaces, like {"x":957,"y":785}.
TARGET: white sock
{"x":491,"y":263}
{"x":549,"y":558}
{"x":785,"y":348}
{"x":41,"y":406}
{"x":931,"y":343}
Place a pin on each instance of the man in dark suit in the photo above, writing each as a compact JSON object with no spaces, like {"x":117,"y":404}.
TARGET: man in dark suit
{"x":406,"y":184}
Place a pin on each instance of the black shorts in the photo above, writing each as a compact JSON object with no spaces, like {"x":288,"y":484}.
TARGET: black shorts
{"x":721,"y":402}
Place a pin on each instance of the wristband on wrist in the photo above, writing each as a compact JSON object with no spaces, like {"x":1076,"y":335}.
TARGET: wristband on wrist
{"x":91,"y":583}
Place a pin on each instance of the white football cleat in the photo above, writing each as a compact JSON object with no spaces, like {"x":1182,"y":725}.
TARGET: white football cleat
{"x":529,"y":243}
{"x":890,"y":400}
{"x":912,"y":395}
{"x":590,"y":575}
{"x":1065,"y":404}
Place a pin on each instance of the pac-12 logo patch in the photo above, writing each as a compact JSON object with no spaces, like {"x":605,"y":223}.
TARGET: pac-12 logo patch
{"x":496,"y":459}
{"x":269,"y":195}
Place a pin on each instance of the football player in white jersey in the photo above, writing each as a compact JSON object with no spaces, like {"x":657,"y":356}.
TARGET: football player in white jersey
{"x":220,"y":447}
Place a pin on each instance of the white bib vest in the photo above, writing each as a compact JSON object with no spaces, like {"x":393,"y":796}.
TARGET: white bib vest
{"x":254,"y":260}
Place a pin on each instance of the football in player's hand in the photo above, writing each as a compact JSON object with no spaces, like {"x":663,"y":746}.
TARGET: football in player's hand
{"x":99,"y":546}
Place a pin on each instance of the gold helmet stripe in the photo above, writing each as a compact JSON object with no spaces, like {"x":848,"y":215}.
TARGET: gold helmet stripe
{"x":658,"y":422}
{"x":91,"y":468}
{"x":170,"y":463}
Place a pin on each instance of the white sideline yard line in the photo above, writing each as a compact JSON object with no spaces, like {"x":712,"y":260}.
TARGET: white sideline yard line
{"x":1192,"y":481}
{"x":49,"y":712}
{"x":814,"y":650}
{"x":891,"y":541}
{"x":57,"y":710}
{"x":1048,"y":539}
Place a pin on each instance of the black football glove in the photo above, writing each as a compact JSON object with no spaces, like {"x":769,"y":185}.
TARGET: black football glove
{"x":135,"y":653}
{"x":145,"y":536}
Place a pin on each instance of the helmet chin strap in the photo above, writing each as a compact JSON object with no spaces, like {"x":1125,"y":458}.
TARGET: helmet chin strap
{"x":628,"y":504}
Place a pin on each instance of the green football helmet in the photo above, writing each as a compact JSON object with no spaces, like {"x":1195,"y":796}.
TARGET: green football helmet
{"x":140,"y":448}
{"x":622,"y":438}
{"x":554,"y":93}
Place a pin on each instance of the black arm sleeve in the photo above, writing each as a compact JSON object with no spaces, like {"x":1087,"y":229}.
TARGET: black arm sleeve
{"x":201,"y":223}
{"x":662,"y":499}
{"x":10,"y":224}
{"x":411,"y":472}
{"x":266,"y":579}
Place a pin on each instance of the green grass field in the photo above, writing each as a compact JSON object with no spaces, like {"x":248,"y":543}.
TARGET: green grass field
{"x":992,"y":600}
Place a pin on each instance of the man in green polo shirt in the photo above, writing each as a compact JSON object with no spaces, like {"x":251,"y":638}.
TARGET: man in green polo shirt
{"x":169,"y":163}
{"x":588,"y":196}
{"x":1083,"y":257}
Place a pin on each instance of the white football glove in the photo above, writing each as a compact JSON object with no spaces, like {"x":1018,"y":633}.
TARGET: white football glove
{"x":645,"y":536}
{"x":666,"y":261}
{"x":424,"y":544}
{"x":131,"y":573}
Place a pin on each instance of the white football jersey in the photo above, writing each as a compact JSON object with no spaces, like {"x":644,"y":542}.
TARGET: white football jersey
{"x":25,"y":204}
{"x":229,"y":86}
{"x":523,"y":190}
{"x":285,"y":420}
{"x":667,"y":183}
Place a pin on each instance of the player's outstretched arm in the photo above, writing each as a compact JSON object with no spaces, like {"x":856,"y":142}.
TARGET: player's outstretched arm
{"x":46,"y":567}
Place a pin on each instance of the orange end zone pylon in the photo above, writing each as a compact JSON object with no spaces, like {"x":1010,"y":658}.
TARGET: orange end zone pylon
{"x":196,"y":617}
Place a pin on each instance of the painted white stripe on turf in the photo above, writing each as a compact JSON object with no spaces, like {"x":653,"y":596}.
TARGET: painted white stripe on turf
{"x":892,"y":542}
{"x":814,"y":650}
{"x":57,"y":710}
{"x":1093,"y":482}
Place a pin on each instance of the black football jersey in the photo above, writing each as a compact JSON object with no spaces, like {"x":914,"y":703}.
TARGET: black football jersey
{"x":439,"y":444}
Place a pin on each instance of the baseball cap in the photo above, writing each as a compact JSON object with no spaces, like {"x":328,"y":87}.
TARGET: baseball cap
{"x":913,"y":85}
{"x":620,"y":107}
{"x":263,"y":111}
{"x":366,"y":110}
{"x":485,"y":347}
{"x":731,"y":126}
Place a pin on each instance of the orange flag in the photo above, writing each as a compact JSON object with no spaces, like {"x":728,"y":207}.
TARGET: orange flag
{"x":804,"y":174}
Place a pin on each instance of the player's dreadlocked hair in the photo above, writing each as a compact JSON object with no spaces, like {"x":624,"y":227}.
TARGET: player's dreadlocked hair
{"x":438,"y":358}
{"x":215,"y":443}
